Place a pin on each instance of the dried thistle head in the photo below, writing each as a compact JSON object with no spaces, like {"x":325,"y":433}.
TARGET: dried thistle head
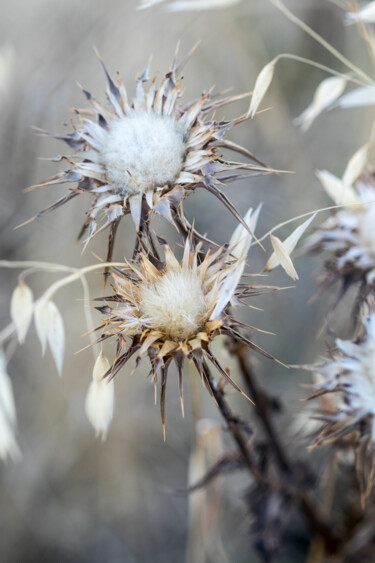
{"x":173,"y":310}
{"x":348,"y":235}
{"x":349,"y":379}
{"x":147,"y":154}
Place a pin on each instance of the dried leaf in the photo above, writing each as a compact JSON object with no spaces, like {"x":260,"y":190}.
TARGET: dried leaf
{"x":290,"y":243}
{"x":262,"y":84}
{"x":336,"y":189}
{"x":360,"y":97}
{"x":100,"y":398}
{"x":21,"y":310}
{"x":50,"y":328}
{"x":326,"y":93}
{"x":355,"y":166}
{"x":283,"y":257}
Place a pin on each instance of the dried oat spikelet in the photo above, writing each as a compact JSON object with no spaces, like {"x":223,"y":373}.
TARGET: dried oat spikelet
{"x":261,"y":86}
{"x":283,"y":249}
{"x":100,"y":398}
{"x":50,"y":330}
{"x":21,"y":309}
{"x":172,"y":310}
{"x":328,"y":91}
{"x":147,"y":154}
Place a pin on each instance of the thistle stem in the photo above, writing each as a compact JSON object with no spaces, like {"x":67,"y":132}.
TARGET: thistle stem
{"x":262,"y":407}
{"x":231,"y":420}
{"x":302,"y":499}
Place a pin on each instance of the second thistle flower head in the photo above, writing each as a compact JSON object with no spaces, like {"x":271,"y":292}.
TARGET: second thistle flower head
{"x":350,"y":375}
{"x":173,"y":310}
{"x":146,"y":154}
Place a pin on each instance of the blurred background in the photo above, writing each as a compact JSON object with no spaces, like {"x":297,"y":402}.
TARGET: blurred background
{"x":73,"y":498}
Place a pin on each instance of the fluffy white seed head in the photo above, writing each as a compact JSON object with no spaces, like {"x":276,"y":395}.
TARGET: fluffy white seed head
{"x":175,"y":305}
{"x":143,"y":151}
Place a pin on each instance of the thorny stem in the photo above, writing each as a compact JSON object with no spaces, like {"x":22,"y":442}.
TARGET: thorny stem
{"x":262,"y":404}
{"x":303,"y":500}
{"x":230,"y":419}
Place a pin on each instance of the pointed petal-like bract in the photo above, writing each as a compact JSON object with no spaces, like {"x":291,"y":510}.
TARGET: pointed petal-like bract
{"x":50,"y":328}
{"x":355,"y":166}
{"x":8,"y":422}
{"x":289,"y":243}
{"x":100,"y":398}
{"x":238,"y":247}
{"x":262,"y":84}
{"x":326,"y":93}
{"x":340,"y":193}
{"x":360,"y":97}
{"x":240,"y":240}
{"x":21,"y":310}
{"x":283,"y":257}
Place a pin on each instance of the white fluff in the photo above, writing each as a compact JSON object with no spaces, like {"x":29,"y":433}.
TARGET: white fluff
{"x":142,"y":150}
{"x":357,"y":374}
{"x":176,"y":305}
